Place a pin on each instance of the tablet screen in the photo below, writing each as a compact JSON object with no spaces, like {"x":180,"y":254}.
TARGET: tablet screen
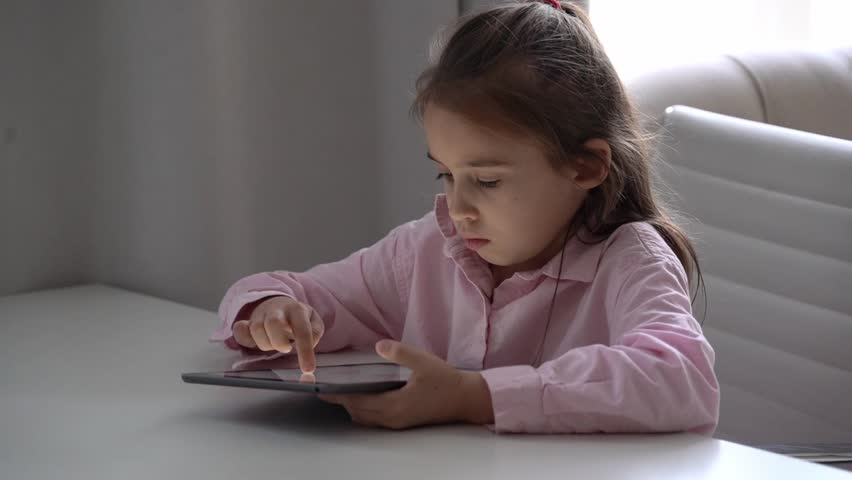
{"x":342,"y":374}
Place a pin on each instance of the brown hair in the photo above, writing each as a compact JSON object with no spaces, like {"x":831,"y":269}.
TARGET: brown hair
{"x":543,"y":71}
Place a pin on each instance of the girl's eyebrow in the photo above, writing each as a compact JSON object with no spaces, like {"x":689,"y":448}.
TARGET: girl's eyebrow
{"x":477,"y":163}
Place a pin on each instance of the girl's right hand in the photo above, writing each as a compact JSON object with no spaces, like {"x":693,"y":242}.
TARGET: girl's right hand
{"x":278,"y":322}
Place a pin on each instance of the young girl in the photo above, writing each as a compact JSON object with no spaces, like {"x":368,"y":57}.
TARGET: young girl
{"x":548,"y":272}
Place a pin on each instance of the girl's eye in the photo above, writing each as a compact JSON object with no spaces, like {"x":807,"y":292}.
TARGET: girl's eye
{"x":482,"y":183}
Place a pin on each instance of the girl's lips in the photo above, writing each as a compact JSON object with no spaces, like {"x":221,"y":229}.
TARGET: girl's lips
{"x":475,"y":243}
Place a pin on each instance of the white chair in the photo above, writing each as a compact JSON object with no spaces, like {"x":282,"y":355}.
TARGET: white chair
{"x":772,"y":210}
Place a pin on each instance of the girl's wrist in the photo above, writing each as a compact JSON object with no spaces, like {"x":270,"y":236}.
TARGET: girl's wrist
{"x":476,"y":400}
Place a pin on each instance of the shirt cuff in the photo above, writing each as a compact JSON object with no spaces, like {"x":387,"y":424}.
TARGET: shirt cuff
{"x":225,"y":329}
{"x":516,"y":396}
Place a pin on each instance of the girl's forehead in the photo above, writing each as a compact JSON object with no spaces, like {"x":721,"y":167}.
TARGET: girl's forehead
{"x":473,"y":128}
{"x":455,"y":137}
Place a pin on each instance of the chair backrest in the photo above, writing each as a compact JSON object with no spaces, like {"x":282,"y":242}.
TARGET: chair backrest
{"x":771,"y":210}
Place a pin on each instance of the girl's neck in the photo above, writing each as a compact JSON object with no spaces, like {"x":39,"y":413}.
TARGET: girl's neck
{"x":500,"y":273}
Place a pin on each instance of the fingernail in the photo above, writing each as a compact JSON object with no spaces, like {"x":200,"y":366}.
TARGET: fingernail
{"x":383,"y":346}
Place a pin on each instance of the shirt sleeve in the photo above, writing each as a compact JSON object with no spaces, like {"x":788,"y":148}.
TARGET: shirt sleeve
{"x":655,"y":376}
{"x":360,"y":299}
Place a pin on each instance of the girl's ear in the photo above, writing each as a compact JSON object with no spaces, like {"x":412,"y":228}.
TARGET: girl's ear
{"x":592,"y":169}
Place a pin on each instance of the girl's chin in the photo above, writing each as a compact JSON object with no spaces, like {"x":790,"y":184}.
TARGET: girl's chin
{"x":488,"y":254}
{"x":485,"y":256}
{"x":492,"y":259}
{"x":497,"y":260}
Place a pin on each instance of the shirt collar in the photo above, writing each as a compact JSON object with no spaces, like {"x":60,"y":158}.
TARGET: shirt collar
{"x":580,"y":263}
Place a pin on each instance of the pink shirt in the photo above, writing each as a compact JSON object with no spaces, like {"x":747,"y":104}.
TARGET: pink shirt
{"x":623,"y":352}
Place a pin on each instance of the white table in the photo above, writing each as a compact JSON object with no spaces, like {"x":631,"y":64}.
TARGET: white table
{"x":90,"y":388}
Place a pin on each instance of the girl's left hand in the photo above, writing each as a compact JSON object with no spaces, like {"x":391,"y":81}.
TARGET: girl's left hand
{"x":436,"y":392}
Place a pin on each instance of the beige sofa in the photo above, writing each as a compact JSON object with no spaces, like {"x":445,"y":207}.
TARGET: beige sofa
{"x":781,"y":325}
{"x":804,"y":90}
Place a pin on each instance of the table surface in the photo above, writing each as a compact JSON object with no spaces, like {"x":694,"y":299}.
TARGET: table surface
{"x":90,"y":388}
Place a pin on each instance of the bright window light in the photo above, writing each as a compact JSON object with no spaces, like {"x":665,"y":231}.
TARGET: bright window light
{"x":646,"y":35}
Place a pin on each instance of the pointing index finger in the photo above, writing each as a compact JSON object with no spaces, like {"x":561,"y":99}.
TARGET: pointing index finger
{"x":304,"y":342}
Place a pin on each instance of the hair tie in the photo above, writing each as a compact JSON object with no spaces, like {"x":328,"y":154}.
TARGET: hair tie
{"x":555,"y":4}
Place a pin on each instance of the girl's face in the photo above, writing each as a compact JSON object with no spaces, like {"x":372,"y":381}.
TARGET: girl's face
{"x":501,"y":188}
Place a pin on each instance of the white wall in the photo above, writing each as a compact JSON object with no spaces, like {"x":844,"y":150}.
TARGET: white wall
{"x":45,"y":144}
{"x":402,"y":32}
{"x":221,"y":138}
{"x":234,"y":140}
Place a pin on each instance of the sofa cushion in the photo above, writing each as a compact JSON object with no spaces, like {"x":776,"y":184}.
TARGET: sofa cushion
{"x":805,"y":90}
{"x":718,"y":85}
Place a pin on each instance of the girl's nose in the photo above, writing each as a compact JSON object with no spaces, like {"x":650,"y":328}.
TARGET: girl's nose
{"x":461,"y":209}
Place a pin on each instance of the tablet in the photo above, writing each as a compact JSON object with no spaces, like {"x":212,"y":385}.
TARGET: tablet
{"x":364,"y":378}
